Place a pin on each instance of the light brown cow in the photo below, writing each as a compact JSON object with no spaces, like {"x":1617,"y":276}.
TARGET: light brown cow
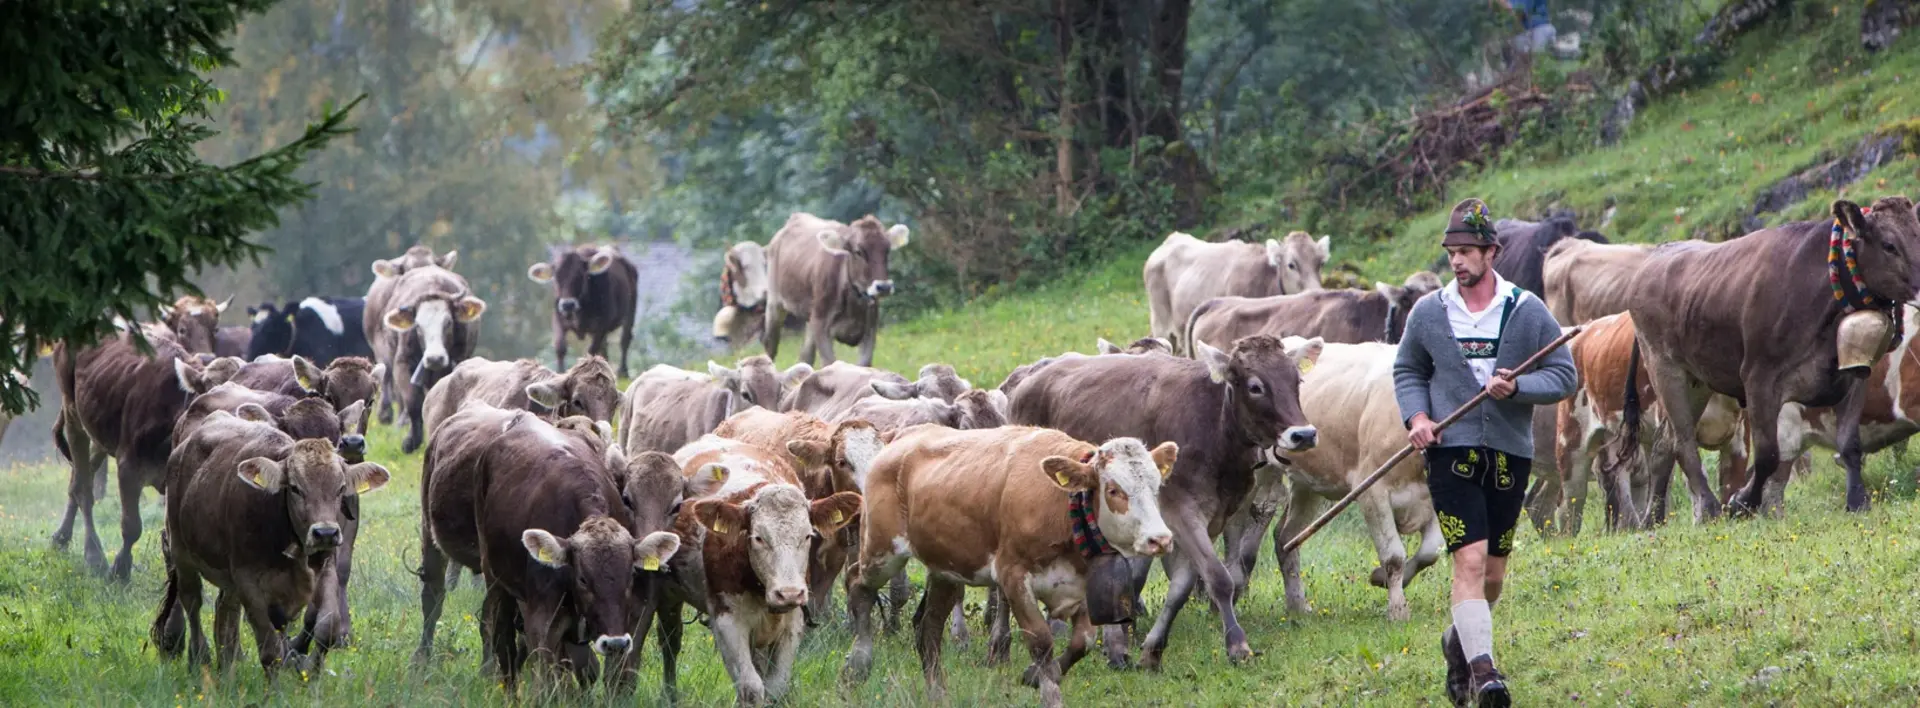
{"x":588,"y":389}
{"x":195,"y":322}
{"x":254,"y":512}
{"x":1185,"y":272}
{"x":749,"y":526}
{"x":344,"y":380}
{"x":386,"y":274}
{"x":832,"y":390}
{"x":1345,"y":316}
{"x":835,"y":275}
{"x":1586,"y":280}
{"x":432,"y":324}
{"x":667,"y":407}
{"x":991,"y":508}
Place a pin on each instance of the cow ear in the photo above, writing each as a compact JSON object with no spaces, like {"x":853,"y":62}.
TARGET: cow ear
{"x":795,"y":375}
{"x":616,"y":459}
{"x":222,"y":370}
{"x":1274,"y":253}
{"x":712,"y":473}
{"x":654,"y":550}
{"x":253,"y":413}
{"x":809,"y":453}
{"x":831,"y":240}
{"x":724,"y":518}
{"x":352,"y":416}
{"x":309,"y":376}
{"x":384,"y":269}
{"x":601,"y":261}
{"x":833,"y":512}
{"x":448,"y":260}
{"x":998,"y":399}
{"x":400,"y":319}
{"x":367,"y":476}
{"x":1215,"y":360}
{"x":896,"y":391}
{"x":470,"y":308}
{"x":1105,"y":347}
{"x":1308,"y":354}
{"x":1069,"y":474}
{"x":546,"y":393}
{"x":1325,"y":244}
{"x":549,"y":550}
{"x":722,"y":374}
{"x":379,"y":373}
{"x":190,"y":378}
{"x":1386,"y":291}
{"x":1164,"y":456}
{"x":541,"y":272}
{"x":262,"y":473}
{"x":1849,"y":215}
{"x":897,"y":236}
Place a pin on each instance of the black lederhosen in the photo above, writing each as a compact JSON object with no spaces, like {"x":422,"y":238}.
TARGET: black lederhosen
{"x":1477,"y":494}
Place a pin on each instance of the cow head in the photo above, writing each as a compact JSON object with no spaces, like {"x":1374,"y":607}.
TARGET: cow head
{"x":651,"y":487}
{"x":1889,"y":252}
{"x":316,"y":486}
{"x":1298,"y":259}
{"x":980,"y":409}
{"x":599,"y":560}
{"x":755,"y":380}
{"x":848,"y":454}
{"x":1263,"y":388}
{"x":1143,"y":345}
{"x":194,"y":319}
{"x":777,"y":526}
{"x":1126,"y":479}
{"x":746,"y":274}
{"x":571,"y":272}
{"x":196,"y":378}
{"x":436,"y":318}
{"x":1400,"y":300}
{"x":415,"y":257}
{"x":863,"y":247}
{"x":936,"y":381}
{"x":272,"y":329}
{"x":344,"y":381}
{"x":588,"y":389}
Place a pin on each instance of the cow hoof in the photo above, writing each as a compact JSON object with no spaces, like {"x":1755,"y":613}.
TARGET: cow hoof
{"x":1150,"y":661}
{"x":1858,"y":505}
{"x":1379,"y":577}
{"x":1398,"y":612}
{"x":1030,"y":677}
{"x":1299,"y":606}
{"x":1120,"y":662}
{"x":1239,"y":653}
{"x":856,"y":670}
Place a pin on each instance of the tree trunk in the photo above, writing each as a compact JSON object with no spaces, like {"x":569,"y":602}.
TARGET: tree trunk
{"x":1168,"y":39}
{"x":1063,"y":142}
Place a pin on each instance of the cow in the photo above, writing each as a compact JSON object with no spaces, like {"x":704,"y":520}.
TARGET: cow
{"x":1889,"y":417}
{"x":1756,"y":318}
{"x":537,"y":508}
{"x":432,"y":324}
{"x":1345,"y":316}
{"x":1221,"y":408}
{"x":1348,"y":394}
{"x":743,"y":295}
{"x":750,"y":527}
{"x":995,"y":508}
{"x":835,"y":275}
{"x":116,"y":401}
{"x":257,"y":513}
{"x":316,"y":328}
{"x":195,"y":322}
{"x":1184,"y":272}
{"x":588,"y":389}
{"x":342,"y":382}
{"x":832,"y":390}
{"x":1586,"y":281}
{"x":311,"y":418}
{"x":667,"y":407}
{"x":1143,"y":345}
{"x":594,"y":293}
{"x":972,"y":410}
{"x":1524,"y":245}
{"x":232,"y":341}
{"x":829,"y":459}
{"x":386,"y":276}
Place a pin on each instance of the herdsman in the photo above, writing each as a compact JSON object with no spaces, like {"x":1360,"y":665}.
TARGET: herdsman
{"x":1467,"y":337}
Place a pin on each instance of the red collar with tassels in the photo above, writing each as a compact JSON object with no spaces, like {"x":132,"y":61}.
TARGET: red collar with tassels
{"x":1843,"y":273}
{"x":1085,"y":511}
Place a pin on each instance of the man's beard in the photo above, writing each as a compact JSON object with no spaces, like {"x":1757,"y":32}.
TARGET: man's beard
{"x":1469,"y":279}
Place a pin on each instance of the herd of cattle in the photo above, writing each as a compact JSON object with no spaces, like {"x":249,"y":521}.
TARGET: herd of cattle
{"x":749,"y":492}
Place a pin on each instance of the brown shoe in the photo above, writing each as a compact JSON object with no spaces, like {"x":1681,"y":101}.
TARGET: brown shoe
{"x":1457,"y":670}
{"x":1489,"y":686}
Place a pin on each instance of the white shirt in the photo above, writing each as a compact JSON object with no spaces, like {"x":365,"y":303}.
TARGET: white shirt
{"x":1484,"y":324}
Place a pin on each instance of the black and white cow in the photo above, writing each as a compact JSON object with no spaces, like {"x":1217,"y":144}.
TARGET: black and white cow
{"x":320,"y":329}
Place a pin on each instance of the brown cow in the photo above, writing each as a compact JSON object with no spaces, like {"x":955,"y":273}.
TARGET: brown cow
{"x":533,"y":506}
{"x":1586,"y":280}
{"x":1185,"y":272}
{"x":588,"y":389}
{"x":974,"y":410}
{"x":195,"y":322}
{"x":256,"y":513}
{"x":1524,"y":245}
{"x":835,"y":274}
{"x":302,"y":418}
{"x":344,"y":380}
{"x":116,"y":401}
{"x":750,"y":526}
{"x":1756,"y":318}
{"x":831,"y":391}
{"x":432,"y":324}
{"x":1222,"y":409}
{"x":1345,"y":316}
{"x":1143,"y":345}
{"x":991,"y":508}
{"x":743,"y":297}
{"x":594,"y":294}
{"x":386,"y":274}
{"x":667,"y":407}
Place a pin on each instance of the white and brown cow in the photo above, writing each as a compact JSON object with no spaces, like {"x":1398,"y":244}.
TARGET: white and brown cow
{"x":432,"y":322}
{"x":990,"y":508}
{"x":835,"y":275}
{"x":386,"y":275}
{"x":1185,"y":271}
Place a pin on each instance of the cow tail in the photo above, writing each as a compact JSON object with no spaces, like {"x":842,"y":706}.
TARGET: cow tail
{"x":168,"y":629}
{"x":1630,"y":410}
{"x":60,"y":435}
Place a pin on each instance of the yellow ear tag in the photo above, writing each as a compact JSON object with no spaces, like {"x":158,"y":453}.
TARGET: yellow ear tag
{"x":1062,"y":477}
{"x":719,"y":526}
{"x":719,"y":473}
{"x":651,"y":563}
{"x":259,"y":478}
{"x":362,"y":486}
{"x":544,"y":555}
{"x":1306,"y":365}
{"x":304,"y":382}
{"x":1165,"y":470}
{"x":838,"y":516}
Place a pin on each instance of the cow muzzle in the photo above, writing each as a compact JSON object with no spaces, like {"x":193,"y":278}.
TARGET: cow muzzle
{"x":1298,"y":438}
{"x":879,"y":288}
{"x":352,"y":448}
{"x":568,"y":306}
{"x":323,"y":536}
{"x":783,"y":600}
{"x":434,"y":362}
{"x":608,"y":645}
{"x":1154,"y":546}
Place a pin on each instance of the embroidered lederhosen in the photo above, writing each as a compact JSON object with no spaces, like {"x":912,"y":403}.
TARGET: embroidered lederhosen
{"x":1478,"y":491}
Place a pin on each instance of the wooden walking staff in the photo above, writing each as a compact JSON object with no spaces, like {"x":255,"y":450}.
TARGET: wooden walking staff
{"x":1408,"y":449}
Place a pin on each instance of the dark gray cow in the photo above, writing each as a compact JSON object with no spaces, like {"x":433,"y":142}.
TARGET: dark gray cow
{"x":834,"y":274}
{"x":593,"y":295}
{"x":1524,"y":246}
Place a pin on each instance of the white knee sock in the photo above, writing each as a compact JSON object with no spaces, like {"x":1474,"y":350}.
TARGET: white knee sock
{"x":1473,"y":619}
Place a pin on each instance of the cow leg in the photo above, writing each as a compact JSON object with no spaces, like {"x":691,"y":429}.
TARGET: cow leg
{"x":626,"y":343}
{"x":1043,"y":674}
{"x":670,"y":634}
{"x":1847,"y":436}
{"x":941,"y":599}
{"x":1377,"y":509}
{"x":873,"y":335}
{"x":1660,"y":463}
{"x":133,"y":480}
{"x":1181,"y":577}
{"x":267,"y":627}
{"x":433,"y":592}
{"x":226,"y":629}
{"x":190,"y":595}
{"x":386,"y":391}
{"x":543,"y":637}
{"x":412,"y":399}
{"x":76,"y":452}
{"x":863,"y":592}
{"x":957,"y":621}
{"x":1000,"y":631}
{"x":1302,"y":509}
{"x":1248,"y":525}
{"x":736,"y":653}
{"x":80,"y":493}
{"x":1683,"y":404}
{"x":786,"y":648}
{"x":321,"y":625}
{"x":500,"y":640}
{"x":899,"y":592}
{"x":559,"y":344}
{"x":1763,"y":414}
{"x":1081,"y":642}
{"x":1431,"y":543}
{"x":1571,"y":515}
{"x":770,"y":335}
